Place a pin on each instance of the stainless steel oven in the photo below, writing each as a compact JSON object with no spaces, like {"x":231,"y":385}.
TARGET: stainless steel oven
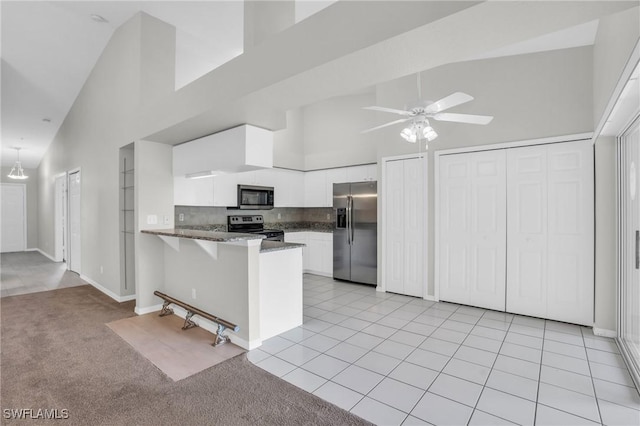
{"x":251,"y":197}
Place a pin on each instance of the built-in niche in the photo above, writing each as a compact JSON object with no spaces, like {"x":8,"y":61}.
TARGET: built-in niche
{"x":127,"y":221}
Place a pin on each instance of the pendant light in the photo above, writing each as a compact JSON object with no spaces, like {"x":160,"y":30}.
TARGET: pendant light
{"x":16,"y":171}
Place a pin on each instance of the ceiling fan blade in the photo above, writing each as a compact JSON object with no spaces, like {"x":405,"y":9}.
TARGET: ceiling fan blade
{"x":402,"y":120}
{"x":383,"y":109}
{"x":463,"y":118}
{"x":447,"y":102}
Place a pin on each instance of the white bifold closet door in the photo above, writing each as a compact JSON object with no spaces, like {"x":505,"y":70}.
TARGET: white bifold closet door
{"x":404,"y":207}
{"x":472,"y":229}
{"x":550,"y":224}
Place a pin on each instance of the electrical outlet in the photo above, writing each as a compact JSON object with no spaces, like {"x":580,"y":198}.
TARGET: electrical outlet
{"x":193,"y":293}
{"x":166,"y":219}
{"x":328,"y":216}
{"x":181,"y":217}
{"x":101,"y":269}
{"x":279,"y":216}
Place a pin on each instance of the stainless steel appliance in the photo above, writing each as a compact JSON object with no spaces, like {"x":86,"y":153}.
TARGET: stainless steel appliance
{"x":251,"y":197}
{"x":355,"y":236}
{"x":253,"y":224}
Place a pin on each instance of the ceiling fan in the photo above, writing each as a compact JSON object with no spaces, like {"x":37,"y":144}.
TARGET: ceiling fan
{"x":419,"y":116}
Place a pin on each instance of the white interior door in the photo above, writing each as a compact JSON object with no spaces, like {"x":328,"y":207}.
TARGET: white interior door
{"x":13,"y":217}
{"x":527,"y":230}
{"x":472,"y":240}
{"x":629,"y":291}
{"x":570,"y":293}
{"x":75,"y":222}
{"x":414,"y":259}
{"x":394,"y":227}
{"x":550,"y":231}
{"x":60,"y":217}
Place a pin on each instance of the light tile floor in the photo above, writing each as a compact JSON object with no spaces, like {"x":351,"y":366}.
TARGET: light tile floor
{"x":394,"y":360}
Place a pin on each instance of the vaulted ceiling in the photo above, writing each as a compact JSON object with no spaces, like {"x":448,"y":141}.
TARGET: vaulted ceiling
{"x":50,"y":48}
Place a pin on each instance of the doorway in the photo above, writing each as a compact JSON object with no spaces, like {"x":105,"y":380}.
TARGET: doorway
{"x":14,"y":217}
{"x":60,"y":218}
{"x":629,"y":285}
{"x":74,"y":222}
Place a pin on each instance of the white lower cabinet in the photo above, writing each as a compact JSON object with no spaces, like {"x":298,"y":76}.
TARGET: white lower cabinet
{"x":317,"y":255}
{"x":516,"y":230}
{"x":404,"y":221}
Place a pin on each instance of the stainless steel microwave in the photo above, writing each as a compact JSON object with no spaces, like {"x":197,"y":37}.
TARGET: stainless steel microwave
{"x":251,"y":197}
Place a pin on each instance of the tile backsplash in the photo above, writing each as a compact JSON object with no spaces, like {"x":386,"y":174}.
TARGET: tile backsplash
{"x":215,"y":218}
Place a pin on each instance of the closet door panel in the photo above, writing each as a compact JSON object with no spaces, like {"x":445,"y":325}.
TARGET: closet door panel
{"x":413,"y":227}
{"x":571,"y":238}
{"x":455,"y":215}
{"x":527,"y":230}
{"x":472,"y":229}
{"x":488,"y":230}
{"x":394,"y":202}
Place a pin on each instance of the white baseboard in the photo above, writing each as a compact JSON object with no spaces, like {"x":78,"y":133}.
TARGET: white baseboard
{"x":322,"y":274}
{"x":147,"y":310}
{"x":45,"y":254}
{"x":108,"y":292}
{"x":604,"y":332}
{"x":430,"y":298}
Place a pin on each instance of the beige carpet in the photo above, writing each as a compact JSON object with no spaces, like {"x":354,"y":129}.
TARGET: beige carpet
{"x":178,"y":353}
{"x":58,"y":353}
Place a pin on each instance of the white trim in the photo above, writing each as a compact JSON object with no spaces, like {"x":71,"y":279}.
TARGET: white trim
{"x":516,"y":144}
{"x":59,"y":203}
{"x":147,"y":310}
{"x":108,"y":292}
{"x":68,"y":227}
{"x":604,"y":332}
{"x":629,"y":67}
{"x":45,"y":254}
{"x":430,"y":298}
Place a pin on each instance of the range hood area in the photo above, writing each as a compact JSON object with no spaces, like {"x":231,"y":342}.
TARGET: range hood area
{"x":240,"y":149}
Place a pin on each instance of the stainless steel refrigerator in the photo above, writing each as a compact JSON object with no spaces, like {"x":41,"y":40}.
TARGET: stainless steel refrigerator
{"x":355,"y":235}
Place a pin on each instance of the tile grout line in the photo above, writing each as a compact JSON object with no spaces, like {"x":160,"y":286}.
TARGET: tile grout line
{"x":595,"y":394}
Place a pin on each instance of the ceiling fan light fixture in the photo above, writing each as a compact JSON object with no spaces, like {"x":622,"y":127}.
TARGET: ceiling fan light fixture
{"x":429,"y":133}
{"x":409,"y":134}
{"x":17,"y":172}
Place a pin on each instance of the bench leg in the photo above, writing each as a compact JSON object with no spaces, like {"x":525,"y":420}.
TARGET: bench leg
{"x":220,"y":338}
{"x":188,"y":322}
{"x":166,"y":310}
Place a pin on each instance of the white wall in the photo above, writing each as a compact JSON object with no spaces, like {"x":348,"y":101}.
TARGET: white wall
{"x":288,"y":143}
{"x":617,"y":36}
{"x":332,"y":132}
{"x":32,"y":202}
{"x":103,"y":118}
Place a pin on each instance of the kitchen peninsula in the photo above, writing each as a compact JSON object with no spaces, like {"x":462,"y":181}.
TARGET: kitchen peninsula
{"x":239,"y":277}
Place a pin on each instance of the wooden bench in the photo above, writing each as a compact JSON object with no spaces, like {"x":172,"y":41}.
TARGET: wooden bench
{"x":191,"y":311}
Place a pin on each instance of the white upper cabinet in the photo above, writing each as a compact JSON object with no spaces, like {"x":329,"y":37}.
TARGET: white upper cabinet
{"x":225,"y":190}
{"x":334,"y":176}
{"x":288,"y":188}
{"x":364,"y":173}
{"x":192,"y":192}
{"x":318,"y":184}
{"x":315,"y":189}
{"x":239,"y":149}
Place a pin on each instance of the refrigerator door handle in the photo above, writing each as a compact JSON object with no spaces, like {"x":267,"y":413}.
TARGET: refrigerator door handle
{"x":349,"y":219}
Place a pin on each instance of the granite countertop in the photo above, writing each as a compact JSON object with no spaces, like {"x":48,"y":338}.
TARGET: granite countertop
{"x":268,"y":246}
{"x":193,"y":234}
